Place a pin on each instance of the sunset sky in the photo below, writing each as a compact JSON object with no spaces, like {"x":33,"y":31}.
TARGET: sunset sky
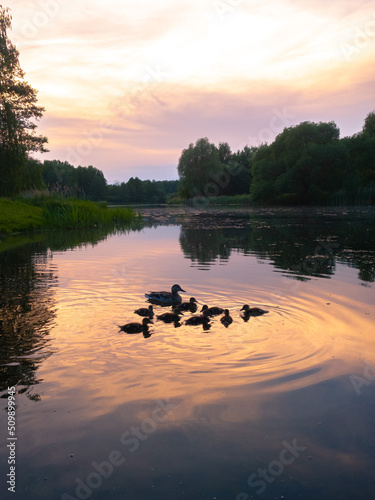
{"x":128,"y":84}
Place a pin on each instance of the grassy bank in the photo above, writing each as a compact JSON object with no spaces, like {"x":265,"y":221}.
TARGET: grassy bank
{"x":16,"y":216}
{"x":56,"y":213}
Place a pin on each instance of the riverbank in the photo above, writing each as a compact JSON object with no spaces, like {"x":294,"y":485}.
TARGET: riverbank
{"x":54,"y":213}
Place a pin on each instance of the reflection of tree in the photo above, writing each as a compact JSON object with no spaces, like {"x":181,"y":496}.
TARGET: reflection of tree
{"x":304,"y":244}
{"x":27,"y":281}
{"x":26,"y":311}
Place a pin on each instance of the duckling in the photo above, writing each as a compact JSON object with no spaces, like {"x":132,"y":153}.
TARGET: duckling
{"x":169,"y":317}
{"x":136,"y":327}
{"x":252,"y":311}
{"x":212,"y":311}
{"x":226,"y":319}
{"x":166,"y":298}
{"x":198,"y":320}
{"x":145,"y":311}
{"x":187,"y":306}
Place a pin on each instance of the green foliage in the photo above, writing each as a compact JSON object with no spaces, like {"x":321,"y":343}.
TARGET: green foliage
{"x":198,"y":167}
{"x":18,"y":109}
{"x":303,"y":165}
{"x":206,"y":170}
{"x":369,"y":126}
{"x":138,"y":191}
{"x":81,"y":182}
{"x":45,"y":212}
{"x":75,"y":214}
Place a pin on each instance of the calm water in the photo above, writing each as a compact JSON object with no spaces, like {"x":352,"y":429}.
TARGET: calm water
{"x":281,"y":406}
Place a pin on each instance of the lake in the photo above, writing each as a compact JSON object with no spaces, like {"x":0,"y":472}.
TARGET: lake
{"x":279,"y":406}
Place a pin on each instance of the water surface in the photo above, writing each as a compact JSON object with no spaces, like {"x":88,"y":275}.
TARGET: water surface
{"x":279,"y":406}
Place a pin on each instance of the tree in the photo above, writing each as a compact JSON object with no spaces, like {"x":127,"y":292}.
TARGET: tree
{"x":198,"y":168}
{"x":91,"y":183}
{"x":60,"y":177}
{"x":18,"y":109}
{"x":304,"y":164}
{"x":369,"y":125}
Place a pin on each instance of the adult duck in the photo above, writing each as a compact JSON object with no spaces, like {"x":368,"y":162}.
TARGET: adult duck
{"x":166,"y":298}
{"x":187,"y":306}
{"x":212,"y":311}
{"x":145,"y":311}
{"x":136,"y":327}
{"x":252,"y":311}
{"x":226,"y":319}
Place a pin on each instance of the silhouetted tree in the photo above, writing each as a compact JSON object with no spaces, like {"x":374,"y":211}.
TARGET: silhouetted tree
{"x":198,"y":166}
{"x":18,"y":109}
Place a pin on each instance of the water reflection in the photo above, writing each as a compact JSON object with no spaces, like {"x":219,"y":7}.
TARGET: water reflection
{"x":28,"y":280}
{"x":302,"y":243}
{"x":236,"y":394}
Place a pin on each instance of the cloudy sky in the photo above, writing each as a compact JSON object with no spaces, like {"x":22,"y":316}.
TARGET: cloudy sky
{"x":128,"y":84}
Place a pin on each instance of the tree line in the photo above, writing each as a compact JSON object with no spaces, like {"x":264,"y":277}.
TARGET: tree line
{"x":89,"y":183}
{"x":305,"y":164}
{"x":64,"y":179}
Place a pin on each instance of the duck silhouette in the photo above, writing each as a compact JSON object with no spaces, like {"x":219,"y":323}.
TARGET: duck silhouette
{"x":252,"y":311}
{"x":136,"y":327}
{"x":169,"y":317}
{"x":145,"y":311}
{"x":226,"y":319}
{"x":198,"y":320}
{"x":212,"y":311}
{"x":187,"y":306}
{"x":166,"y":298}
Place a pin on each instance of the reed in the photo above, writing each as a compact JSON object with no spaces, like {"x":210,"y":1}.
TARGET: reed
{"x":45,"y":212}
{"x":76,"y":214}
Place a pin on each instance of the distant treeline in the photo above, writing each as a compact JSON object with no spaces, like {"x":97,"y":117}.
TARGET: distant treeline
{"x":89,"y":183}
{"x":138,"y":191}
{"x":306,"y":164}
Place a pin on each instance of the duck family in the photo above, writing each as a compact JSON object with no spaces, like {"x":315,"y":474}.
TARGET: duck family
{"x":173,"y":298}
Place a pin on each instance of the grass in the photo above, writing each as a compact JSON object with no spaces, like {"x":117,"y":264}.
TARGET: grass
{"x":59,"y":213}
{"x":16,"y":216}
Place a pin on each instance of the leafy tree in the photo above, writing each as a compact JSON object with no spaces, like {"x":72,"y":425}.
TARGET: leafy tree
{"x":225,"y":153}
{"x":369,"y":125}
{"x":60,"y":177}
{"x":91,"y":183}
{"x":302,"y":165}
{"x":18,"y":108}
{"x":198,"y":167}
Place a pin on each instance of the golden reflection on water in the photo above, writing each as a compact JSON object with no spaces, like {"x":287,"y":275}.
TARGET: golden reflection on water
{"x":236,"y":393}
{"x":312,"y":331}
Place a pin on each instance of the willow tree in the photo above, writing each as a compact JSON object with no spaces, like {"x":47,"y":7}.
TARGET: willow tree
{"x":18,"y":110}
